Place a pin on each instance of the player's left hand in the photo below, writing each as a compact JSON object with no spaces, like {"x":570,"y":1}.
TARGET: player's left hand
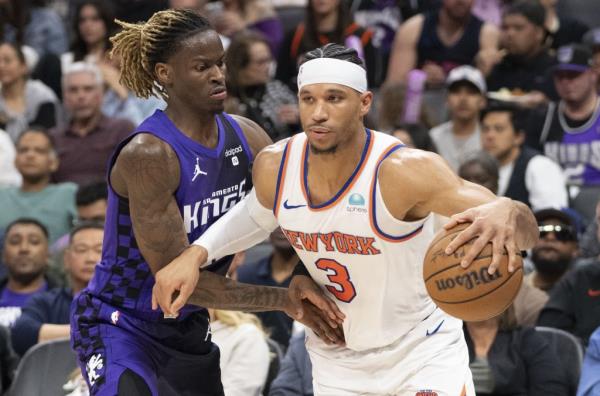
{"x":493,"y":222}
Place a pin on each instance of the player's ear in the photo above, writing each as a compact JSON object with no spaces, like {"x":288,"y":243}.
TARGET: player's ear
{"x":164,"y":74}
{"x":366,"y":99}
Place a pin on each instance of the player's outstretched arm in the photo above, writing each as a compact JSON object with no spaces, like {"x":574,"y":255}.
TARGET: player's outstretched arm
{"x":509,"y":225}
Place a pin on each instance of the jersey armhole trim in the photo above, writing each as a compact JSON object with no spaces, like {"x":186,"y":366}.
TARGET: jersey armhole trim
{"x":373,"y":212}
{"x":240,"y":133}
{"x":281,"y":177}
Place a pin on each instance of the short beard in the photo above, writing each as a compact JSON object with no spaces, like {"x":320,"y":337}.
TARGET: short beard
{"x":26,"y":278}
{"x":550,"y":267}
{"x":318,"y":151}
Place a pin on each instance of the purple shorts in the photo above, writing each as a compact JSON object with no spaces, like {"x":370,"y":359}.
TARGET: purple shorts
{"x":173,"y":357}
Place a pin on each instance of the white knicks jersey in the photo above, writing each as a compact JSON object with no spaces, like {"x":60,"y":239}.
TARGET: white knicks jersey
{"x":368,"y":262}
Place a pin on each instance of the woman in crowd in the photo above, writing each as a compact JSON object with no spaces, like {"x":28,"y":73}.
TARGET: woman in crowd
{"x":23,"y":102}
{"x":254,"y":94}
{"x":244,"y":351}
{"x":507,"y":360}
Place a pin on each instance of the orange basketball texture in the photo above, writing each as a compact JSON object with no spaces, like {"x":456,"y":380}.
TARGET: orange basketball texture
{"x":470,"y":294}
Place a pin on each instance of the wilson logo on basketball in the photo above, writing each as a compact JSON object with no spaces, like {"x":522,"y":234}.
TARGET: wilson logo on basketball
{"x":468,"y":280}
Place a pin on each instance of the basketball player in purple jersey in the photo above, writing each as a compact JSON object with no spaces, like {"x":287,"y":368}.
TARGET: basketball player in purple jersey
{"x":179,"y":171}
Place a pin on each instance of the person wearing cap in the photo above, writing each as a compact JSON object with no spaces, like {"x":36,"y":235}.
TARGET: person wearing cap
{"x":459,"y":137}
{"x":525,"y":174}
{"x":574,"y":303}
{"x":569,"y":128}
{"x":523,"y":69}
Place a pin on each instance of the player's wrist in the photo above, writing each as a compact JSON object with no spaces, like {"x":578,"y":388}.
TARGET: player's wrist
{"x":198,"y":254}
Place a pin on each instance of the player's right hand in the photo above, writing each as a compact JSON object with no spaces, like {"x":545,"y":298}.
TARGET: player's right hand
{"x":178,"y":278}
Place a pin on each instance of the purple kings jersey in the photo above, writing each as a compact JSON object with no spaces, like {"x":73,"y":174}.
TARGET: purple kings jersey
{"x":576,"y":149}
{"x":212,"y":181}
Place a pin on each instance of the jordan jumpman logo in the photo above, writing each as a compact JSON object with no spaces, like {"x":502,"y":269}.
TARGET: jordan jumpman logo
{"x":197,"y":170}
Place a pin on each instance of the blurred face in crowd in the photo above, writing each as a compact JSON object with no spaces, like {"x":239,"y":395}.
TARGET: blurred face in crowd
{"x":256,"y":71}
{"x":520,"y":37}
{"x":11,"y":67}
{"x":187,"y":4}
{"x":83,"y":253}
{"x":95,"y":211}
{"x":458,"y":9}
{"x":575,"y":87}
{"x":36,"y":159}
{"x":555,"y":249}
{"x":476,"y":173}
{"x":465,"y":101}
{"x":25,"y":252}
{"x":82,"y":95}
{"x":498,"y":136}
{"x":281,"y":243}
{"x":596,"y":62}
{"x":91,"y":26}
{"x":324,"y":7}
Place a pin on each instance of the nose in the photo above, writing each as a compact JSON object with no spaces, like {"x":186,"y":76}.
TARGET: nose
{"x":24,"y":247}
{"x":218,"y":74}
{"x":319,"y":113}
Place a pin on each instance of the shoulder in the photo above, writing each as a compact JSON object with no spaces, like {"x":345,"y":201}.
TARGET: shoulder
{"x":255,"y":135}
{"x":269,"y":159}
{"x":414,"y":24}
{"x":66,"y":187}
{"x":39,"y":91}
{"x":413,"y":164}
{"x":147,"y":149}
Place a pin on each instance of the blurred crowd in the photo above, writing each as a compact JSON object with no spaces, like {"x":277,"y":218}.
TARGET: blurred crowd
{"x":506,"y":91}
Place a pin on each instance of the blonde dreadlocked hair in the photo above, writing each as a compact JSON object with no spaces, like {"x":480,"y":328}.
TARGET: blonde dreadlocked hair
{"x":142,"y":45}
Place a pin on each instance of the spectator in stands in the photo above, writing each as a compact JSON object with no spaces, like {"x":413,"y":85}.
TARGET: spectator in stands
{"x":274,"y":270}
{"x":562,"y":30}
{"x":244,"y":352}
{"x":53,"y":204}
{"x":33,"y":24}
{"x":592,"y":40}
{"x":254,"y":15}
{"x":9,"y":175}
{"x":508,"y":360}
{"x":253,"y":93}
{"x":589,"y":244}
{"x":85,"y":144}
{"x":480,"y":168}
{"x":439,"y":40}
{"x":23,"y":102}
{"x":552,"y":256}
{"x":295,"y":373}
{"x":25,"y":255}
{"x":327,"y":21}
{"x":415,"y":136}
{"x":91,"y":201}
{"x":46,"y":315}
{"x":575,"y":302}
{"x":525,"y":64}
{"x":589,"y":384}
{"x":460,"y":136}
{"x":525,"y":174}
{"x":567,"y":133}
{"x":384,"y":18}
{"x":92,"y":26}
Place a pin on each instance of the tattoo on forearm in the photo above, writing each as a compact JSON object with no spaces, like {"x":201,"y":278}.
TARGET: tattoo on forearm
{"x":219,"y":292}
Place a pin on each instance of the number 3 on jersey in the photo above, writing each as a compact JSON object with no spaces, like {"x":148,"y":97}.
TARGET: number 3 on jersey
{"x":337,"y":274}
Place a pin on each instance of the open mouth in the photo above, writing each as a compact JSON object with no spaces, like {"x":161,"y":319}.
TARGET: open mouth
{"x":219,"y":93}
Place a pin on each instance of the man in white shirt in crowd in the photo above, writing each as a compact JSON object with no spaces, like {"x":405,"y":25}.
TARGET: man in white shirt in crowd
{"x":459,"y":137}
{"x":525,"y":174}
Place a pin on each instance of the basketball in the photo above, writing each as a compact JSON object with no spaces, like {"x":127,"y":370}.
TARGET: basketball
{"x":470,"y":294}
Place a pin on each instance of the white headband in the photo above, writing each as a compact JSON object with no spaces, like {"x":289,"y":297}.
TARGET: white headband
{"x":332,"y":71}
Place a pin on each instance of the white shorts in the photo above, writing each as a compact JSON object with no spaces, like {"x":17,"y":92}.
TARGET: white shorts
{"x":417,"y":364}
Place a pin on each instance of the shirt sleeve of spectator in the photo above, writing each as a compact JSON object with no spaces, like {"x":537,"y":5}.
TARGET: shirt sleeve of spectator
{"x":589,"y":383}
{"x":545,"y":375}
{"x":545,"y":182}
{"x":292,"y":373}
{"x":559,"y":311}
{"x":25,"y":331}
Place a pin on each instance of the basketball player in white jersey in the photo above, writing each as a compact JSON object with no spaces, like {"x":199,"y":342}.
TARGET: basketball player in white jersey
{"x":361,"y":209}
